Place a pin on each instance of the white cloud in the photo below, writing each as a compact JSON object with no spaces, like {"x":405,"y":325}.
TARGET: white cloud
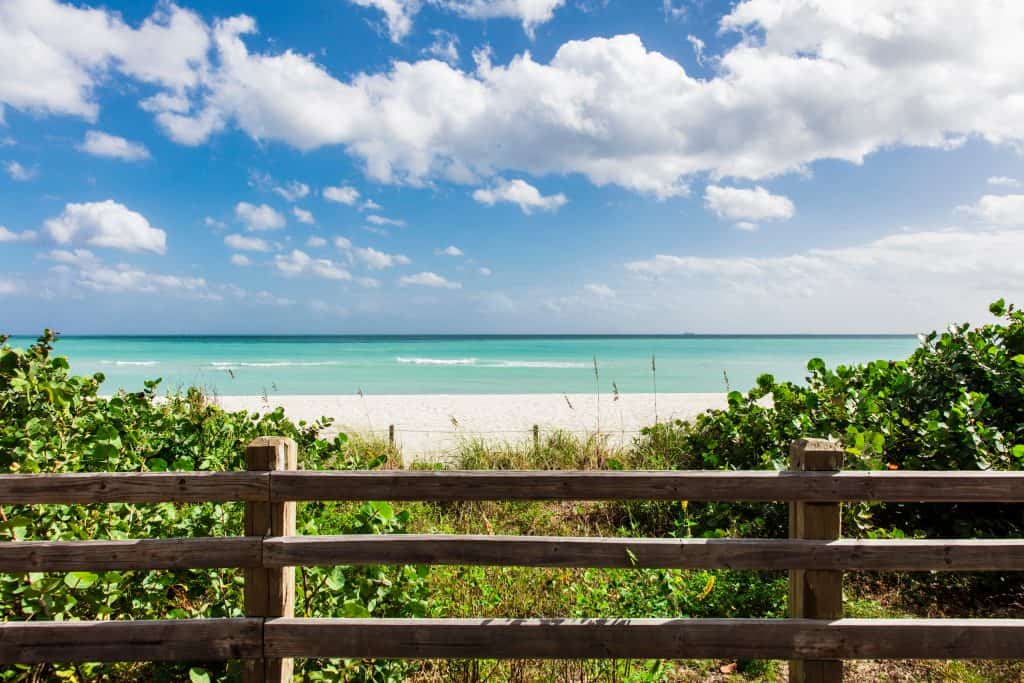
{"x":427,"y":279}
{"x":370,"y":205}
{"x":399,"y":14}
{"x":741,"y":204}
{"x":303,"y":216}
{"x":293,"y":191}
{"x":106,"y":224}
{"x":102,"y":144}
{"x":241,"y":260}
{"x":519,"y":192}
{"x":342,"y":194}
{"x":7,"y":235}
{"x":445,"y":47}
{"x":316,"y":242}
{"x":82,"y":258}
{"x":19,"y":172}
{"x":807,"y":81}
{"x":485,"y":271}
{"x":747,"y":226}
{"x":450,"y":250}
{"x":300,"y":263}
{"x":368,"y":282}
{"x":55,"y":55}
{"x":377,"y":260}
{"x":381,"y":220}
{"x":343,"y":243}
{"x":906,"y":282}
{"x":998,"y":209}
{"x":125,"y":278}
{"x":258,"y":218}
{"x":212,"y":222}
{"x":1003,"y":181}
{"x":601,"y":291}
{"x":8,"y":287}
{"x":244,"y":243}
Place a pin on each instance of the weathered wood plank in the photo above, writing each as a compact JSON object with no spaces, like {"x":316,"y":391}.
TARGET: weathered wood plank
{"x":1006,"y":487}
{"x":691,"y":553}
{"x":646,"y":638}
{"x":116,"y":641}
{"x":163,"y":553}
{"x":269,"y":592}
{"x":133,"y":487}
{"x":814,"y":591}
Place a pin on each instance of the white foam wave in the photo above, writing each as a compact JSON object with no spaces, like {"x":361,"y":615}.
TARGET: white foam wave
{"x":436,"y":361}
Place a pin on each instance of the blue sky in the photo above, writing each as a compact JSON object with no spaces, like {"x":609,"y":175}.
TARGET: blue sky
{"x":387,"y":166}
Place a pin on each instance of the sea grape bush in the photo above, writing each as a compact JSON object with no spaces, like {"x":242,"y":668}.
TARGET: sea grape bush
{"x":957,"y":403}
{"x":53,"y":421}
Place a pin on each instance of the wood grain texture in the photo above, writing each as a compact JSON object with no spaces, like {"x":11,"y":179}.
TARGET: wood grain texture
{"x":164,"y":553}
{"x":647,"y":638}
{"x":117,"y":641}
{"x":892,"y":486}
{"x":133,"y":487}
{"x":269,"y":592}
{"x":815,"y":592}
{"x":696,"y":553}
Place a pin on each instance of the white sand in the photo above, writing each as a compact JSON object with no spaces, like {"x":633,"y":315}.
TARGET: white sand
{"x":428,"y":426}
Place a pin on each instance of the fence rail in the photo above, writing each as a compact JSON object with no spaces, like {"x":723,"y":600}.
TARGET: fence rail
{"x":816,"y":638}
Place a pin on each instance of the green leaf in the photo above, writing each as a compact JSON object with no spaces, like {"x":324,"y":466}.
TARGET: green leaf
{"x":76,"y":580}
{"x":198,"y":675}
{"x":354,"y":610}
{"x":1019,"y":359}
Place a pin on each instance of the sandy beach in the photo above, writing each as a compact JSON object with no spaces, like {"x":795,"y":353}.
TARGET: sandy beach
{"x":428,"y":426}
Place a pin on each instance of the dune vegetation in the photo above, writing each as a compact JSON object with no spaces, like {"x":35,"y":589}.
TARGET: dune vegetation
{"x":956,"y":403}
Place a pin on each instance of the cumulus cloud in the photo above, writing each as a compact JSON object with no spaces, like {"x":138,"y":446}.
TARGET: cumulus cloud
{"x":259,"y":218}
{"x":106,"y":224}
{"x":8,"y":286}
{"x":212,"y":222}
{"x":55,"y":55}
{"x":303,"y":216}
{"x":998,"y":209}
{"x":378,"y":260}
{"x":102,"y":144}
{"x":399,"y":14}
{"x":450,"y":250}
{"x":427,"y":279}
{"x":316,"y":242}
{"x":241,"y":260}
{"x":243,"y":243}
{"x":521,"y":193}
{"x":445,"y":47}
{"x":19,"y":172}
{"x":8,"y":235}
{"x":746,"y":206}
{"x":300,"y":263}
{"x":342,"y":194}
{"x":484,"y":270}
{"x":125,"y":278}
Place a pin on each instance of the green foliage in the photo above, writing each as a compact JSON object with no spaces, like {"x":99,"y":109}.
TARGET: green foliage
{"x":52,"y":421}
{"x":957,"y":403}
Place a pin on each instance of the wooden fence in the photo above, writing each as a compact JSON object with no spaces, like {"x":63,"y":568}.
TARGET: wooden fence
{"x":815,"y":637}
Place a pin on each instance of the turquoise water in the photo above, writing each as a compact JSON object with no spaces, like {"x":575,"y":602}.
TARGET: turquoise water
{"x":460,"y":365}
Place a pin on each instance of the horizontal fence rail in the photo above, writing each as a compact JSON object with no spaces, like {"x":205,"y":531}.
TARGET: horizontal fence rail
{"x":456,"y":485}
{"x":513,"y":551}
{"x":212,"y":639}
{"x":816,"y":637}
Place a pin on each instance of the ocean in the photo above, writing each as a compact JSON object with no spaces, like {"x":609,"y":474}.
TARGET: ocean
{"x":235,"y":366}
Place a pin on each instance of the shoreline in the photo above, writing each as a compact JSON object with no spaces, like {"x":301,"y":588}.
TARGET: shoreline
{"x":429,"y":426}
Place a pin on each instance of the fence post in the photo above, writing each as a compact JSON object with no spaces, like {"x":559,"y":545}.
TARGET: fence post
{"x":814,"y":593}
{"x":391,"y":436}
{"x":269,"y":592}
{"x":536,"y":438}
